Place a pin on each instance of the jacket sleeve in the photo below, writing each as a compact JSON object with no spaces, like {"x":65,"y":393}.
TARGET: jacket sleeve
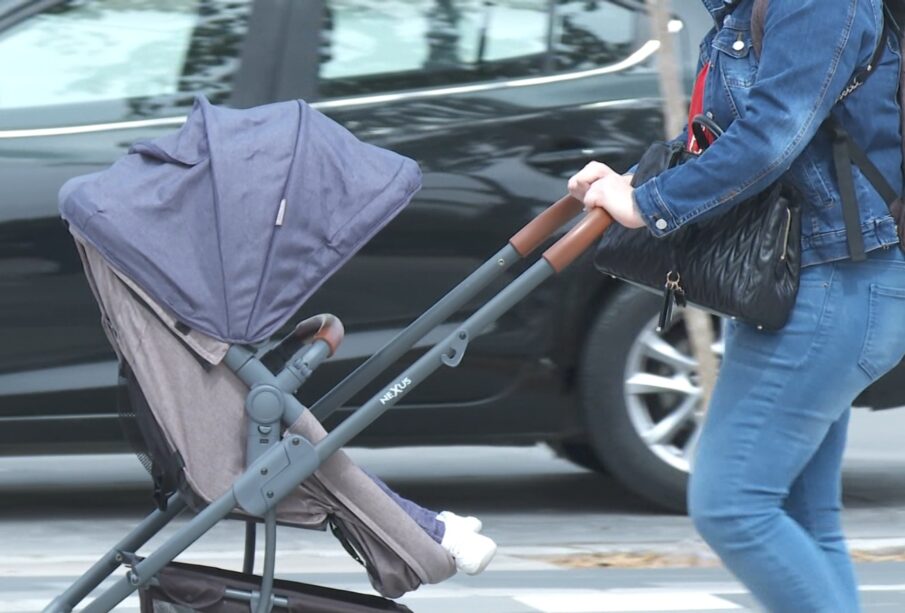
{"x":811,"y":49}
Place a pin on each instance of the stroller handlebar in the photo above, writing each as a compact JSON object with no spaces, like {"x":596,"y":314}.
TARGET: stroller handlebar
{"x":578,"y":239}
{"x":552,"y":219}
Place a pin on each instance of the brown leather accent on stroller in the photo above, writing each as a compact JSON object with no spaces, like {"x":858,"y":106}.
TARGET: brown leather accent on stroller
{"x":324,"y":327}
{"x":578,"y":240}
{"x":536,"y":232}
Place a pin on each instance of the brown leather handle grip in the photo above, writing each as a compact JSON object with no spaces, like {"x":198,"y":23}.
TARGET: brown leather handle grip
{"x":552,"y":219}
{"x":325,"y":327}
{"x":569,"y":247}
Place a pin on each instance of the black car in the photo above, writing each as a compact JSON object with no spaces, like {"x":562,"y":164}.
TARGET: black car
{"x":499,"y":102}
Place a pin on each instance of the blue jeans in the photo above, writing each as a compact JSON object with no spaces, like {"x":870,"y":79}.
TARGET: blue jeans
{"x":765,"y":490}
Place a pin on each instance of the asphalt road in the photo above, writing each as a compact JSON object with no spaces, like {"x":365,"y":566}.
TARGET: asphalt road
{"x":570,"y":540}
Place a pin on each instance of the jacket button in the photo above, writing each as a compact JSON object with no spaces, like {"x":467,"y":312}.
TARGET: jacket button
{"x":661,"y":224}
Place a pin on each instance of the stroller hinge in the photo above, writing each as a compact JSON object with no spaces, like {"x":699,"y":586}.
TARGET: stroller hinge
{"x":130,"y":560}
{"x":273,"y":476}
{"x":264,"y":406}
{"x":126,"y":558}
{"x":455,"y":349}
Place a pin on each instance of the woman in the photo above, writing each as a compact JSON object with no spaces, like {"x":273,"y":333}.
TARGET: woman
{"x":765,"y":492}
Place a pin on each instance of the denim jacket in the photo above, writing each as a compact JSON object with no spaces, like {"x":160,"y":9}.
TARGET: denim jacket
{"x":771,"y":109}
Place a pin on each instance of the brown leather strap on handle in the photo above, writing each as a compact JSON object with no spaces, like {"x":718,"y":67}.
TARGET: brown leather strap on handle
{"x":325,"y":327}
{"x":578,"y":240}
{"x":531,"y":236}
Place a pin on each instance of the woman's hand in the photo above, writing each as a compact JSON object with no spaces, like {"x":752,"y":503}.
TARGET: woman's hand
{"x":613,"y":193}
{"x":582,"y":180}
{"x":599,"y":185}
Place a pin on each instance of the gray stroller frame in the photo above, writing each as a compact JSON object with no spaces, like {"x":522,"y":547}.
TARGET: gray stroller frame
{"x":277,"y":464}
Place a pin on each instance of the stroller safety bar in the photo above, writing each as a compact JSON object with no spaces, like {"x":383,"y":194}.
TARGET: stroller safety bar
{"x":297,"y":370}
{"x":286,"y":463}
{"x":327,"y":328}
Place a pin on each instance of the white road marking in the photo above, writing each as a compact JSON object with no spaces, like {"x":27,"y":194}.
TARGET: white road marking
{"x":604,"y":601}
{"x":882,"y":588}
{"x":37,"y":604}
{"x":543,"y":600}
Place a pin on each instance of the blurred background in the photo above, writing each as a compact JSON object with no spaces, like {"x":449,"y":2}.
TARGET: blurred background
{"x":570,"y":424}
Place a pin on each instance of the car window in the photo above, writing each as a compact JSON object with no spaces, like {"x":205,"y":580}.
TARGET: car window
{"x":592,"y":33}
{"x":153,"y":54}
{"x":371,"y":46}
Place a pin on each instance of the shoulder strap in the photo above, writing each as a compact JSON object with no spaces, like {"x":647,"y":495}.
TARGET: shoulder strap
{"x":758,"y":14}
{"x":895,"y":13}
{"x":845,"y":151}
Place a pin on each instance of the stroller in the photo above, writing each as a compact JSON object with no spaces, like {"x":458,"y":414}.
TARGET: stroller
{"x":191,"y":244}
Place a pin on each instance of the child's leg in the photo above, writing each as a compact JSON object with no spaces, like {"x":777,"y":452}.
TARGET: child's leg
{"x":425,"y":518}
{"x":471,"y":551}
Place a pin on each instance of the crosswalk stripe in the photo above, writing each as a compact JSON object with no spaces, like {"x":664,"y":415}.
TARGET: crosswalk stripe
{"x":602,"y":602}
{"x":883,"y":588}
{"x":543,"y":600}
{"x":37,"y":604}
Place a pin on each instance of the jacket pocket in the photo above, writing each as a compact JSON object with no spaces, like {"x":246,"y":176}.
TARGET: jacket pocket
{"x":884,"y":338}
{"x":737,"y":64}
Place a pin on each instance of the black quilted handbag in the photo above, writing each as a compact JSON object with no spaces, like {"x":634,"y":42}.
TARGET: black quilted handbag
{"x":742,"y":264}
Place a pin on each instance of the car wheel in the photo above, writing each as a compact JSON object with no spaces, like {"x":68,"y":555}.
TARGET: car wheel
{"x":579,"y":453}
{"x":641,"y":396}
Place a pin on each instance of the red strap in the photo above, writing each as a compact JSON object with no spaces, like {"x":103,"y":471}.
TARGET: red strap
{"x":697,"y":106}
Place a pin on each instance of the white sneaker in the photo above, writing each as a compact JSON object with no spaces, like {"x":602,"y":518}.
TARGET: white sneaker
{"x":472,"y":524}
{"x":472,"y":552}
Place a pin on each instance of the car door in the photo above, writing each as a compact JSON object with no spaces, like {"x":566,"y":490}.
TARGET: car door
{"x":81,"y":81}
{"x":498,"y":102}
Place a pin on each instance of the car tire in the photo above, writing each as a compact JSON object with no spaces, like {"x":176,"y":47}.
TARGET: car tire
{"x":620,"y":347}
{"x":580,"y":453}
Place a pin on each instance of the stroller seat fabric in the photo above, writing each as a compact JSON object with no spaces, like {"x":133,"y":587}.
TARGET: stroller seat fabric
{"x":198,"y":404}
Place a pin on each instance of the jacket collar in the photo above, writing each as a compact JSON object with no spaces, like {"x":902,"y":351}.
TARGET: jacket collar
{"x":717,"y":7}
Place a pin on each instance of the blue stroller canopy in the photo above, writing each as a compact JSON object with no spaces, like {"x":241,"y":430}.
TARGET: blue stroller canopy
{"x":234,"y":221}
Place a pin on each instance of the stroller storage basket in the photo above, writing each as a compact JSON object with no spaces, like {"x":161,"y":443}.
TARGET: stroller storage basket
{"x":187,"y":588}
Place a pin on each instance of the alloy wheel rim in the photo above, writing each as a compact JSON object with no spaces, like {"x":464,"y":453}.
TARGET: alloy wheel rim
{"x":662,"y":392}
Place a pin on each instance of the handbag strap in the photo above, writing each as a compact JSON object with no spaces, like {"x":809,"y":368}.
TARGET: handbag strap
{"x":700,"y":125}
{"x":697,"y":140}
